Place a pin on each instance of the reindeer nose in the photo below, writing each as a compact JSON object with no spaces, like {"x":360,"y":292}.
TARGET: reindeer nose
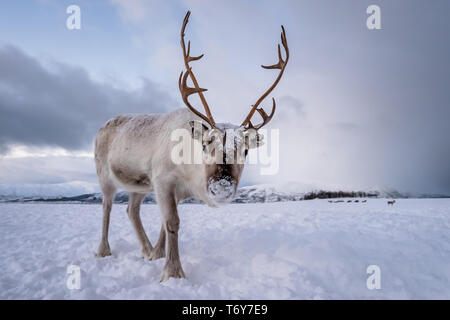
{"x":221,"y":190}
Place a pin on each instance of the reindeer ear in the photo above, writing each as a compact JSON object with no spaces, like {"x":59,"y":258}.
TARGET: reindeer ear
{"x":197,"y":129}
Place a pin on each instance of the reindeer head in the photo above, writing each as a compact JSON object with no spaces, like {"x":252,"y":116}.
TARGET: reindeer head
{"x":225,"y":146}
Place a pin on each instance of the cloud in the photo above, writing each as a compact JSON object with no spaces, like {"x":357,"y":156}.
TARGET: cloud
{"x":62,"y":107}
{"x":355,"y":107}
{"x":48,"y":169}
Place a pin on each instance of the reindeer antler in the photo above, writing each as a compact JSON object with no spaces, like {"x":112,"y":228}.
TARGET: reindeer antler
{"x":281,"y":65}
{"x":182,"y":81}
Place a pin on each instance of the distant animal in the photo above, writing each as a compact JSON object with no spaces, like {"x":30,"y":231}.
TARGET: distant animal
{"x":330,"y":201}
{"x":349,"y":200}
{"x":391,"y":202}
{"x":133,"y":153}
{"x":364,"y":201}
{"x":356,"y":201}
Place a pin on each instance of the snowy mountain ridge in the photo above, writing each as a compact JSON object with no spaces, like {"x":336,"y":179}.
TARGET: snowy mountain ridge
{"x":248,"y":194}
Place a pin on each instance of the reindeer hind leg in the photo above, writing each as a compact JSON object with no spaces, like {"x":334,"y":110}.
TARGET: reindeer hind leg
{"x":159,"y":251}
{"x":133,"y":211}
{"x":109,"y":191}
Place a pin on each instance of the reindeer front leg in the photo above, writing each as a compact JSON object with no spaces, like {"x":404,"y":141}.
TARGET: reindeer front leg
{"x":171,"y":223}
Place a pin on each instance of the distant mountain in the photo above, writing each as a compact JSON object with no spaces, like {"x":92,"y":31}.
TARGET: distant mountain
{"x":249,"y":194}
{"x":47,"y":190}
{"x":267,"y":193}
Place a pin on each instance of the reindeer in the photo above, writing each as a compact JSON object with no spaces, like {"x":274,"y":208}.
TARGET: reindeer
{"x":391,"y":202}
{"x":133,"y":153}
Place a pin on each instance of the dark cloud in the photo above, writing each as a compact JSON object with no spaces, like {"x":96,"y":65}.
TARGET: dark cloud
{"x":63,"y":107}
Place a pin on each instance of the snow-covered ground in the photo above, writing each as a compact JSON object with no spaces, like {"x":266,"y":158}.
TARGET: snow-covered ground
{"x":286,"y":250}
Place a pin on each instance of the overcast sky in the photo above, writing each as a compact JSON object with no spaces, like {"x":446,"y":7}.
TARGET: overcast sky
{"x":357,"y":108}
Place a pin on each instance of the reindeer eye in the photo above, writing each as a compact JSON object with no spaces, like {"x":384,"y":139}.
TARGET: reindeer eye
{"x":246,"y":152}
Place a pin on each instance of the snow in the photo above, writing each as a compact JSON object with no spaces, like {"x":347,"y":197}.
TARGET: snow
{"x":286,"y":250}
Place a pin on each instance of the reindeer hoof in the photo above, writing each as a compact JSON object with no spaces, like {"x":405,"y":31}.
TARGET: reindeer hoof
{"x":157,"y":253}
{"x":176,"y":273}
{"x":147,"y":253}
{"x":103,"y":250}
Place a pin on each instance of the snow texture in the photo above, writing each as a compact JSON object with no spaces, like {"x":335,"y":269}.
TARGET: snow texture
{"x":286,"y":250}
